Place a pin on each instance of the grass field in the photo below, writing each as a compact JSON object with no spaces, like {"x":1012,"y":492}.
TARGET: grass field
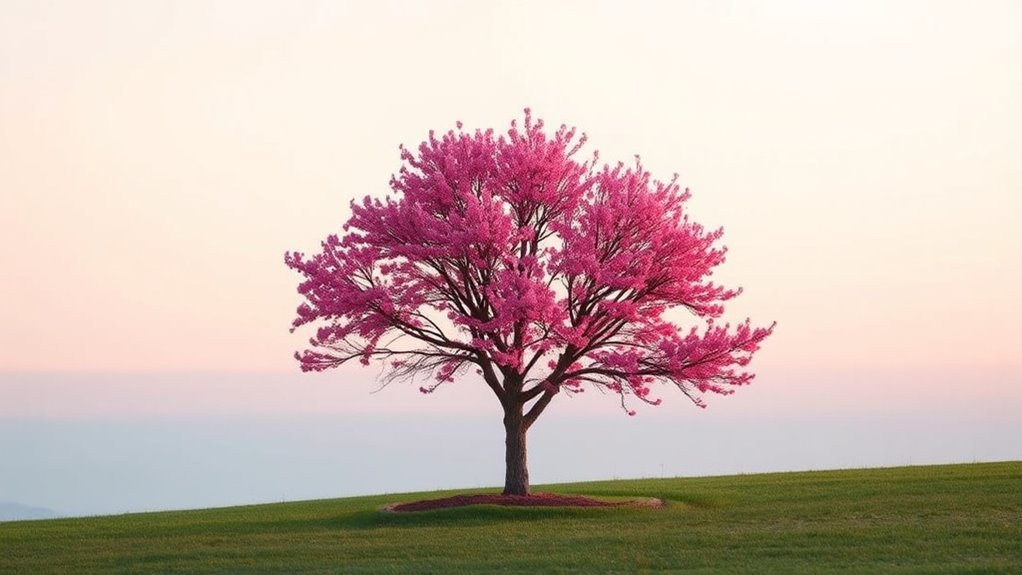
{"x":933,"y":519}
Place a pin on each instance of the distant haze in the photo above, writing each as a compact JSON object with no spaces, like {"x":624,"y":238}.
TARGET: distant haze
{"x":157,"y":159}
{"x":117,"y":443}
{"x":10,"y":511}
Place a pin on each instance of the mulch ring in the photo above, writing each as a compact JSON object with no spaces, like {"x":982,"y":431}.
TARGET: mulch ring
{"x":531,"y":500}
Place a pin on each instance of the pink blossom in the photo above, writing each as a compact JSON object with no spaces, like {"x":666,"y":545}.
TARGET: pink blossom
{"x":539,"y":269}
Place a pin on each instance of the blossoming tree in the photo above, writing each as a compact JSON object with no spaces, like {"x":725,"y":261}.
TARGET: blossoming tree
{"x":507,"y":257}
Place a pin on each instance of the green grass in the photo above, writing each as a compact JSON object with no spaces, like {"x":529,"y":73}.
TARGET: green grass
{"x":934,"y":519}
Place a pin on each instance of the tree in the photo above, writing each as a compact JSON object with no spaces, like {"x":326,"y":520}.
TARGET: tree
{"x":541,"y":273}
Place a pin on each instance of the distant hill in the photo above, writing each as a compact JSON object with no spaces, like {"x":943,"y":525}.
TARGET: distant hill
{"x":10,"y":511}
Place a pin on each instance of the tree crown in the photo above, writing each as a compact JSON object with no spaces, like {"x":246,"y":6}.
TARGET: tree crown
{"x":507,"y":254}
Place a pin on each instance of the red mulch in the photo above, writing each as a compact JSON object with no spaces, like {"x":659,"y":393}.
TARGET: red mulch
{"x":532,"y":500}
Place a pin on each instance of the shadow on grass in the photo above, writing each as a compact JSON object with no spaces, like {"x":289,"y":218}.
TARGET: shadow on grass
{"x":479,"y":515}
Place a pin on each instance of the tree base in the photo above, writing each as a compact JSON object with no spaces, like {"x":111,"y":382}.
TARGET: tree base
{"x":536,"y":500}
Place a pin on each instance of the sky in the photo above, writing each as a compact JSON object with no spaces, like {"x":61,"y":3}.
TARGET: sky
{"x":158,"y":158}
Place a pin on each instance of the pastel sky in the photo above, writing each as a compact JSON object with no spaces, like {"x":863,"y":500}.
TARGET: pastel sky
{"x":158,"y":158}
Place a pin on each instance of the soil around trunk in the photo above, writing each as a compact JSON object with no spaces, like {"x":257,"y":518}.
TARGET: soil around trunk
{"x":531,"y":500}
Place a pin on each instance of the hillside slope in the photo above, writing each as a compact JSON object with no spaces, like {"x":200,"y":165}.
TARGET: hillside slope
{"x":932,"y":519}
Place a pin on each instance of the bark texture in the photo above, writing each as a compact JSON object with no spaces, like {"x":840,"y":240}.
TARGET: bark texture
{"x":516,"y":475}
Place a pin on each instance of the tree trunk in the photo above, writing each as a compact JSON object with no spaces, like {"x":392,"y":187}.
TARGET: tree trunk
{"x":516,"y":476}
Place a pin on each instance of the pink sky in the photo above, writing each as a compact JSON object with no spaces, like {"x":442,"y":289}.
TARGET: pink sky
{"x":157,"y":159}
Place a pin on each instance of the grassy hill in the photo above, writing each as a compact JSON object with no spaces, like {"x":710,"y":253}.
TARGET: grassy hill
{"x":933,"y":519}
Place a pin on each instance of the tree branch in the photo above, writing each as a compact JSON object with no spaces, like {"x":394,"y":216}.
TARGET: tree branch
{"x":538,"y":407}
